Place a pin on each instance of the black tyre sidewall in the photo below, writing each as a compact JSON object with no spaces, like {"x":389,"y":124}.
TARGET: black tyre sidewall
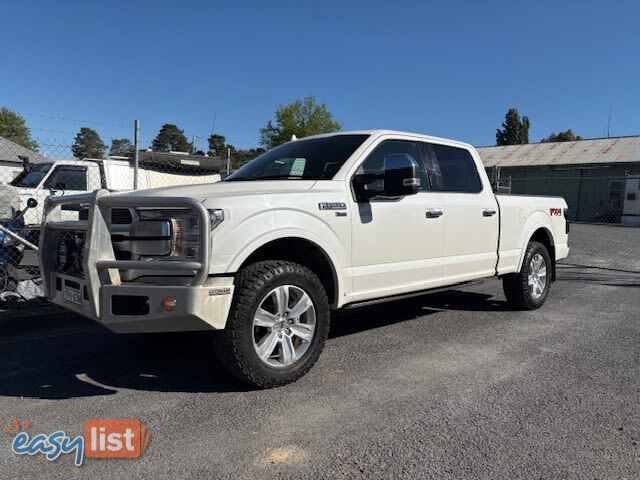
{"x":274,"y":275}
{"x":533,"y":249}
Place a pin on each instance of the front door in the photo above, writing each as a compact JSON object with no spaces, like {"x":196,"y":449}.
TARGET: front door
{"x":398,"y":243}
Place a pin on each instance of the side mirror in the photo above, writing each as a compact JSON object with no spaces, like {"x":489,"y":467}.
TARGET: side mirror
{"x":32,"y":203}
{"x":400,"y":175}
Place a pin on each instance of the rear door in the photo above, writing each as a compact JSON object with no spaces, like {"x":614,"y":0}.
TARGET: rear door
{"x":471,"y":217}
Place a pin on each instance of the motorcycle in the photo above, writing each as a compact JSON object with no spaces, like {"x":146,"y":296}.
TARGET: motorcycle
{"x":12,"y":245}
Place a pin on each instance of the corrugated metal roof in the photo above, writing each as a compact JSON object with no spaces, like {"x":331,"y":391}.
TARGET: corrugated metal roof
{"x":11,"y":151}
{"x":601,"y":150}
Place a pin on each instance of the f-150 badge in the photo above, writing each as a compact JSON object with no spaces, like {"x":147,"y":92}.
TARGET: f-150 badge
{"x":332,"y":206}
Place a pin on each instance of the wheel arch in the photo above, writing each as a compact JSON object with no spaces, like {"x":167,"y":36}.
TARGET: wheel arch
{"x":305,"y":252}
{"x":542,"y":234}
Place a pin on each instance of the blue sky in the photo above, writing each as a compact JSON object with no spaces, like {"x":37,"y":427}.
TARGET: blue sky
{"x":445,"y":68}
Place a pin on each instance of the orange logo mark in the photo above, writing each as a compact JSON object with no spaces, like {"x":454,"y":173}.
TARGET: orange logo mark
{"x":17,"y":428}
{"x":115,"y":438}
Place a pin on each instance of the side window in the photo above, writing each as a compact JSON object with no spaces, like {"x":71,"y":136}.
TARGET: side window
{"x":67,"y":178}
{"x":374,"y":163}
{"x":450,"y":169}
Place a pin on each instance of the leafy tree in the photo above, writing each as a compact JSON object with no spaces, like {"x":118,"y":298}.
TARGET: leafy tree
{"x":171,"y":138}
{"x":300,"y":118}
{"x":240,"y":157}
{"x":217,"y":145}
{"x":13,"y":127}
{"x":121,"y":147}
{"x":88,"y":144}
{"x":515,"y":131}
{"x":567,"y":136}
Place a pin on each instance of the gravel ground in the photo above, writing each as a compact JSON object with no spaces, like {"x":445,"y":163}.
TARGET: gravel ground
{"x":605,"y":246}
{"x":449,"y":385}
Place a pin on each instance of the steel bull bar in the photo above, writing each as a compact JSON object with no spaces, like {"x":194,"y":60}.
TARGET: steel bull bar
{"x":101,"y":270}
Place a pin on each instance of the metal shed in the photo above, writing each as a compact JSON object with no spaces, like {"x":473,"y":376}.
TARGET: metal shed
{"x":592,"y":175}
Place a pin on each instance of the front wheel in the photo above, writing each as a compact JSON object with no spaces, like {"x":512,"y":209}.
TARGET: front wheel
{"x":277,"y":326}
{"x":528,"y":288}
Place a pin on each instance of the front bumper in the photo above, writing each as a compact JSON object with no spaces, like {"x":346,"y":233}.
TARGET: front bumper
{"x":128,"y":307}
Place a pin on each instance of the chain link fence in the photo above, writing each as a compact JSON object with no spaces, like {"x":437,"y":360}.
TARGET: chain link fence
{"x":604,"y":210}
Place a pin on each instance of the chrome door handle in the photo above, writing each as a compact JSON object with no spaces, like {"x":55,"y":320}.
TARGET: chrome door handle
{"x":434,"y":213}
{"x":488,"y":212}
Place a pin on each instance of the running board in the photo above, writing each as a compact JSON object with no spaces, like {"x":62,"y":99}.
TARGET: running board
{"x":375,"y":301}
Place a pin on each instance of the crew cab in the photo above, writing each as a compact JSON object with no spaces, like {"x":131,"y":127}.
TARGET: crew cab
{"x":313,"y":225}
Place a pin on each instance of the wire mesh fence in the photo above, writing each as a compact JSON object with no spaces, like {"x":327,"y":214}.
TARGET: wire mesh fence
{"x":604,"y":210}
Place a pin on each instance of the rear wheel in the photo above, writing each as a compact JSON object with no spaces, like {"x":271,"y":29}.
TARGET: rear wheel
{"x":528,"y":288}
{"x":277,"y":326}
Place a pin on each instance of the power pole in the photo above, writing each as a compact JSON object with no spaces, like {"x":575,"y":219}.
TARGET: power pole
{"x":136,"y":147}
{"x":228,"y":161}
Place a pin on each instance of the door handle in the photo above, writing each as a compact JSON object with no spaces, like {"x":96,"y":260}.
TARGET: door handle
{"x":434,"y":213}
{"x":488,"y":212}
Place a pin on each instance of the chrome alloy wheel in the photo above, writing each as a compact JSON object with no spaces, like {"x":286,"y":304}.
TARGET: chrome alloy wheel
{"x":537,"y":279}
{"x":283,"y":326}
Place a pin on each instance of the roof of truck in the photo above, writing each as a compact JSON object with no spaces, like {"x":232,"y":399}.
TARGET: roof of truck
{"x":390,"y":132}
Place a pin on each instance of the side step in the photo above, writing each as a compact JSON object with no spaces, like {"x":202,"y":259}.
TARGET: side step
{"x":375,"y":301}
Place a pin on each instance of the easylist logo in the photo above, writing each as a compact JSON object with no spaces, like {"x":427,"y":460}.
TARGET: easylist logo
{"x":103,"y":438}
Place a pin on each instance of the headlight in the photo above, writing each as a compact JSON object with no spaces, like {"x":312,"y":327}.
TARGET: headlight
{"x":185,"y":229}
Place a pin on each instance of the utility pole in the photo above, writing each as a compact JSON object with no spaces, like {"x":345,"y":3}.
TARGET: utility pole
{"x":193,"y":144}
{"x":136,"y":147}
{"x":228,"y":161}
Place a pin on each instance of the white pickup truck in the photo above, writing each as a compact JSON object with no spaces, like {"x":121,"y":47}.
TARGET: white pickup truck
{"x":316,"y":224}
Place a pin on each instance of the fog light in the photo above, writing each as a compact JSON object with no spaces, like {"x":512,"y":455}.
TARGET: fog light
{"x":169,"y":303}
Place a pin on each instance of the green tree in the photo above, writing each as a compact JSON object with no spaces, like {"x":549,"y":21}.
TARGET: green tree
{"x":121,"y":147}
{"x":217,"y":145}
{"x":240,"y":157}
{"x":515,"y":131}
{"x":171,"y":138}
{"x":300,"y":118}
{"x":567,"y":136}
{"x":88,"y":144}
{"x":13,"y":127}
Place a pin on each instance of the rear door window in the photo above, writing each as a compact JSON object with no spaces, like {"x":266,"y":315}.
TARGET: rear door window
{"x":450,"y":169}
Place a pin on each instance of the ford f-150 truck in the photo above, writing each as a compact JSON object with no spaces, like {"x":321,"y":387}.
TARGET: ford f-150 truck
{"x":320,"y":223}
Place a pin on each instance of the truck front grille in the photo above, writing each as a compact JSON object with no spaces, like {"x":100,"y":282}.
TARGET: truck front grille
{"x":119,"y":216}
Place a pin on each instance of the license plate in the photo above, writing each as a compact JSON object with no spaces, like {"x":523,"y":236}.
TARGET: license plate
{"x":71,"y":295}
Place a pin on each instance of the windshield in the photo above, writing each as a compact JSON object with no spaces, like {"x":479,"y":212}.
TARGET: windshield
{"x":313,"y":159}
{"x":32,"y":177}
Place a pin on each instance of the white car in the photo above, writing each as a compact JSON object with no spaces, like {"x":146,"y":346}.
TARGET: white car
{"x":316,"y":224}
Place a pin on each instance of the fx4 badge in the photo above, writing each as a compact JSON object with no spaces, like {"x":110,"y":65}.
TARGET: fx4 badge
{"x":555,"y":212}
